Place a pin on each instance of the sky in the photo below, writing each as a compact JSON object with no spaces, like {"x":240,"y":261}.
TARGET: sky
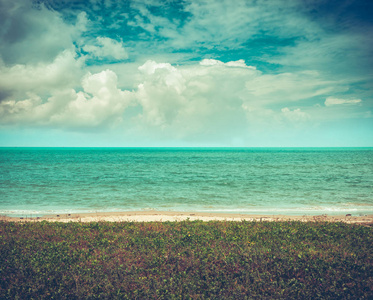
{"x":192,"y":73}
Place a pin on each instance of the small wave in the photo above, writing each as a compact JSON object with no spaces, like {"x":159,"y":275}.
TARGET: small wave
{"x":293,"y":210}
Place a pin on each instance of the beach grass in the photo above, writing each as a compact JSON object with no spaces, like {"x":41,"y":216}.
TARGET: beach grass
{"x":185,"y":260}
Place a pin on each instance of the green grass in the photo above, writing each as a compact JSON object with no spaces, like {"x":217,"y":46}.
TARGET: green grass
{"x":185,"y":260}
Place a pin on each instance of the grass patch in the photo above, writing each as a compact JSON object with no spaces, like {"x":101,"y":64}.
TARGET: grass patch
{"x":185,"y":260}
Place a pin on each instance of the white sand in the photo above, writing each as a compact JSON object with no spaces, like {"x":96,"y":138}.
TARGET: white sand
{"x":162,"y":216}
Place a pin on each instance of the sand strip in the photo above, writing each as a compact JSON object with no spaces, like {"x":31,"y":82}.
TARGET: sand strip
{"x":163,"y":216}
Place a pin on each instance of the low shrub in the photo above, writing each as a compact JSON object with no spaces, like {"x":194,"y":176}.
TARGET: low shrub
{"x":185,"y":260}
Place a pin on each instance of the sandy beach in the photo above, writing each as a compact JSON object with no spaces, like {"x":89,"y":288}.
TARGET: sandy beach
{"x":165,"y":216}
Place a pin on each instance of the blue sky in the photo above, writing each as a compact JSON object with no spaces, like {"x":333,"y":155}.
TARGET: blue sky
{"x":186,"y":73}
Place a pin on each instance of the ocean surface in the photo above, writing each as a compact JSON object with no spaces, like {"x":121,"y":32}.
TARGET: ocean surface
{"x":289,"y":181}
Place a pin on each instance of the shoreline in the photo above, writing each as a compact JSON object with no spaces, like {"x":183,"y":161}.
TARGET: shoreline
{"x":174,"y":216}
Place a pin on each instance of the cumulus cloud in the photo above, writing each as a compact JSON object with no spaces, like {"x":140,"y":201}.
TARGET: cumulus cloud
{"x":100,"y":103}
{"x":229,"y":98}
{"x":150,"y":66}
{"x":191,"y":73}
{"x":160,"y":96}
{"x":192,"y":98}
{"x":330,"y":101}
{"x":214,"y":62}
{"x":190,"y":102}
{"x":64,"y":72}
{"x":19,"y":112}
{"x":209,"y":100}
{"x":295,"y":115}
{"x":106,"y":47}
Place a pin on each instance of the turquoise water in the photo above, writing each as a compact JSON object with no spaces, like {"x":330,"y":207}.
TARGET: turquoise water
{"x":311,"y":181}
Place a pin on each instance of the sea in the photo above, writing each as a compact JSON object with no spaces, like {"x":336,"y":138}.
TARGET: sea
{"x":270,"y":181}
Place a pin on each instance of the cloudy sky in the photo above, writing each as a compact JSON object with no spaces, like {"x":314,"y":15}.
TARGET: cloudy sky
{"x":186,"y":73}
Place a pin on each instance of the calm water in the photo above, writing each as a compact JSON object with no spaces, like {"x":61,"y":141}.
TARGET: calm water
{"x":37,"y":181}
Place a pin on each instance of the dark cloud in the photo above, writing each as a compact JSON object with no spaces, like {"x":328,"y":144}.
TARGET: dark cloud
{"x":4,"y":95}
{"x":29,"y":34}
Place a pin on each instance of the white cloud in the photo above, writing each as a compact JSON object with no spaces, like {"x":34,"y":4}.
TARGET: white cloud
{"x":229,"y":98}
{"x":81,"y":22}
{"x":43,"y":67}
{"x":213,"y":62}
{"x":107,"y":47}
{"x":100,"y":104}
{"x":268,"y":89}
{"x":330,"y":101}
{"x":219,"y":25}
{"x":160,"y":94}
{"x":64,"y":72}
{"x":19,"y":112}
{"x":344,"y":56}
{"x":296,"y":115}
{"x":210,"y":100}
{"x":150,"y":66}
